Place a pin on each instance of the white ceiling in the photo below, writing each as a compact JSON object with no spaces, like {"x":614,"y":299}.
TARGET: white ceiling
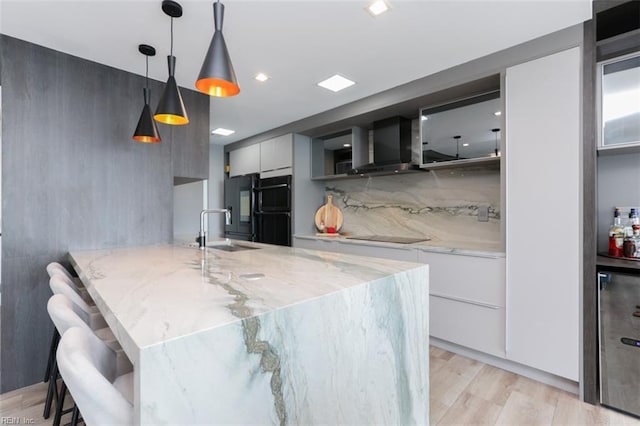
{"x":297,"y":43}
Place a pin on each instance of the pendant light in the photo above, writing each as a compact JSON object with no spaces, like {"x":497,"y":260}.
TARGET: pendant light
{"x":217,"y":77}
{"x":146,"y":131}
{"x":496,"y":150}
{"x":457,"y":138}
{"x":171,"y":108}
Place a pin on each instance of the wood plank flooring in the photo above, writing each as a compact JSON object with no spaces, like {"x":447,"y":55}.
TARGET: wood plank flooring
{"x":468,"y":392}
{"x":463,"y":392}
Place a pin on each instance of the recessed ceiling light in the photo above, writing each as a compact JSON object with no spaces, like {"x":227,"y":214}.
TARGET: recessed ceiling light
{"x":262,"y":77}
{"x":347,"y":145}
{"x":222,"y":132}
{"x":424,"y":118}
{"x":336,"y":83}
{"x":465,"y":144}
{"x":378,"y":7}
{"x":497,"y":113}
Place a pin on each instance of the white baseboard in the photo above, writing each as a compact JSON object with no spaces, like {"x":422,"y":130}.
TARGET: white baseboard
{"x":514,"y":367}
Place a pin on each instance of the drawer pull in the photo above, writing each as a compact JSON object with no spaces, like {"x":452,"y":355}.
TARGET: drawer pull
{"x":470,"y":302}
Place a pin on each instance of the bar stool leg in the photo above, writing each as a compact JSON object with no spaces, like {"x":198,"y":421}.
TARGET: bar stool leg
{"x":75,"y":415}
{"x":52,"y":390}
{"x":55,"y":338}
{"x":58,"y":416}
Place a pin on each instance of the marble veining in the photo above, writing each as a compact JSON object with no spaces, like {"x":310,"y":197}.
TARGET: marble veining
{"x":269,"y":360}
{"x":323,"y":338}
{"x":440,"y":204}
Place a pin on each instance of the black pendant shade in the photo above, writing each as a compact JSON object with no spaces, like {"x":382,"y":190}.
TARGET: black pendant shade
{"x":171,"y":108}
{"x":146,"y":131}
{"x":217,"y":77}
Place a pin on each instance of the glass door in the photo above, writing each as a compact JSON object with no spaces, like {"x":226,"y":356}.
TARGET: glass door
{"x":619,"y":102}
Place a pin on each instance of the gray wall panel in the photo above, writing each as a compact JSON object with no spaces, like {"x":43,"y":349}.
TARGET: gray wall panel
{"x":72,"y":178}
{"x":190,"y":144}
{"x":24,"y":309}
{"x":308,"y":195}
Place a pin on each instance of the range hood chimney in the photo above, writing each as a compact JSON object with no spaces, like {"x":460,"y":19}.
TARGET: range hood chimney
{"x":391,"y":148}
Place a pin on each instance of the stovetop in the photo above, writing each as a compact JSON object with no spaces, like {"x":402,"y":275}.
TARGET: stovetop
{"x":389,"y":239}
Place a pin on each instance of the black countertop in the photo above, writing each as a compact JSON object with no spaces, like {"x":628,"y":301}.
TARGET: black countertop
{"x":605,"y":263}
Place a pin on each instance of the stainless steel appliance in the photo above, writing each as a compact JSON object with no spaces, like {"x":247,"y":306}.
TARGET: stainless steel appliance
{"x":273,"y":210}
{"x":619,"y":317}
{"x":239,"y":198}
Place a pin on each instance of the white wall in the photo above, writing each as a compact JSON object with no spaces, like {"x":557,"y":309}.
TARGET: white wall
{"x":187,"y":204}
{"x":216,"y":190}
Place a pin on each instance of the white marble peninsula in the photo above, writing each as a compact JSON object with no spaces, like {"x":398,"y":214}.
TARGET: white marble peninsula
{"x":272,"y":335}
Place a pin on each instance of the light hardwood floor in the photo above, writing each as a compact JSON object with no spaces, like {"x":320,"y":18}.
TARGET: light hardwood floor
{"x":463,"y":392}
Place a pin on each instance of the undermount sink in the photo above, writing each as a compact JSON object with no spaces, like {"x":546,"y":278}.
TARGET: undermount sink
{"x":231,"y":247}
{"x":226,"y":246}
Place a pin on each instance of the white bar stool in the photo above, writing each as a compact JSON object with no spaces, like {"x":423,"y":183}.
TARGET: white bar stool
{"x":93,"y":320}
{"x":88,"y":368}
{"x":66,"y":315}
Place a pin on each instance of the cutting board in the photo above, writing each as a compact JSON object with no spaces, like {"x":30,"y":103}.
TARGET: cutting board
{"x":329,"y":216}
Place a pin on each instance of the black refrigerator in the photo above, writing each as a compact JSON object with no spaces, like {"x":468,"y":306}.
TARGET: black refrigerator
{"x":240,"y":197}
{"x":273,"y":210}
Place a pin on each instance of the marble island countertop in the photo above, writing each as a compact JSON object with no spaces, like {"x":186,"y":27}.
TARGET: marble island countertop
{"x":138,"y":284}
{"x":285,"y":331}
{"x":465,"y":248}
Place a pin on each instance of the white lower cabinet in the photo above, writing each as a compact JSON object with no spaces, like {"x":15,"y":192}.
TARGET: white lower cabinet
{"x":467,"y":300}
{"x":467,"y":324}
{"x":467,"y":293}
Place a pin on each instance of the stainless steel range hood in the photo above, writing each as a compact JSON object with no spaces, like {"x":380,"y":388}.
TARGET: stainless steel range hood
{"x":391,"y":148}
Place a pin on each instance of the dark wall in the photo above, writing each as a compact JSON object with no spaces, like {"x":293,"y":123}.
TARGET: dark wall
{"x":72,"y":179}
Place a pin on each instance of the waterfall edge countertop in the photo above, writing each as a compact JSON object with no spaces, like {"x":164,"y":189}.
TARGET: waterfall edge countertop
{"x":201,"y":324}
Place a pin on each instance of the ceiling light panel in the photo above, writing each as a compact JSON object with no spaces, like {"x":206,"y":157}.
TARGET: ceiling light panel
{"x":262,"y":77}
{"x":222,"y":132}
{"x":377,"y":7}
{"x":336,"y":83}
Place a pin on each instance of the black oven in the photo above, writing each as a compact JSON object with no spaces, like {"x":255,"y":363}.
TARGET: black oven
{"x":273,"y":210}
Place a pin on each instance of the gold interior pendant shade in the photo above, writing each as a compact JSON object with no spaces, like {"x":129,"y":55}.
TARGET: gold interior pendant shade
{"x":171,"y":108}
{"x":146,"y":130}
{"x":217,"y":77}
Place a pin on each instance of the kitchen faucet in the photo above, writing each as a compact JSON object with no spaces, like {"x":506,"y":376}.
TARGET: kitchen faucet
{"x":227,"y":221}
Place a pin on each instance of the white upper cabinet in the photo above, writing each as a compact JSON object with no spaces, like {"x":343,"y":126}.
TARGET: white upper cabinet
{"x":543,"y":213}
{"x":244,"y":160}
{"x":276,"y":156}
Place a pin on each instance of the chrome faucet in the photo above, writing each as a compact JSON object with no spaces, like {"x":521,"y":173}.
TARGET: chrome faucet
{"x":227,"y":221}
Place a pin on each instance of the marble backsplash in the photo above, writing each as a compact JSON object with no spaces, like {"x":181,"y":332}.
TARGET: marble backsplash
{"x":440,"y":204}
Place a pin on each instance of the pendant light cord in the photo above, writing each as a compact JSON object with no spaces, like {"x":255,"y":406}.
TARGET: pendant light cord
{"x":146,"y":76}
{"x":172,"y":36}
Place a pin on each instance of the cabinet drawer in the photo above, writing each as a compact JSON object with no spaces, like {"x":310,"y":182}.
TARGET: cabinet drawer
{"x":466,"y":324}
{"x":466,"y":277}
{"x":322,"y":245}
{"x":405,"y":254}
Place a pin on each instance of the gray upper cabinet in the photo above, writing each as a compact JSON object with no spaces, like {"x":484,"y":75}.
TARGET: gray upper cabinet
{"x":276,"y":156}
{"x":190,"y":143}
{"x":245,"y":160}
